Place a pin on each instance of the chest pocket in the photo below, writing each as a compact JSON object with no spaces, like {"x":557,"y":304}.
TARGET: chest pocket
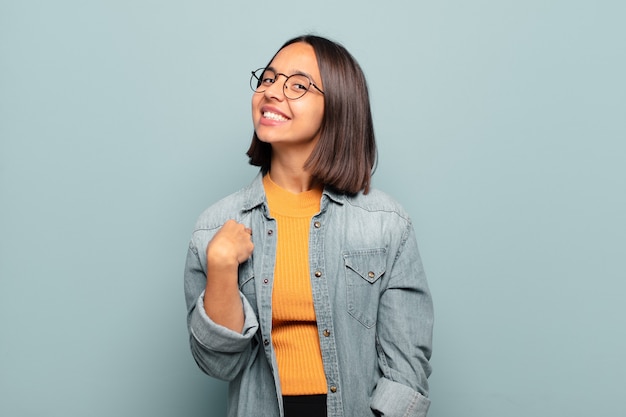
{"x":364,"y":273}
{"x":246,"y":283}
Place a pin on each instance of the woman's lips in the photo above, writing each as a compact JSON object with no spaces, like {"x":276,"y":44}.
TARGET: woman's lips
{"x":272,"y":117}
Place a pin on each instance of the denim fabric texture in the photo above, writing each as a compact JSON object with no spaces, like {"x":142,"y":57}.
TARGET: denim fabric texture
{"x":373,"y":307}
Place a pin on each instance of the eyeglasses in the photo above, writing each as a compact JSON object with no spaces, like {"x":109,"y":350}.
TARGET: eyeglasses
{"x":296,"y":85}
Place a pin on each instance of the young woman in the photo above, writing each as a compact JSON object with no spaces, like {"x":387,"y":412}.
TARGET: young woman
{"x":305,"y":290}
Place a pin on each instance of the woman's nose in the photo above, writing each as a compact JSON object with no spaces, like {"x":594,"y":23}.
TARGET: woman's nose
{"x":277,"y":89}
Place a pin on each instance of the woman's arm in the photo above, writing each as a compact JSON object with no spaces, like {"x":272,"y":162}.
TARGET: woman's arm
{"x":221,"y":323}
{"x":404,"y":336}
{"x":231,"y":246}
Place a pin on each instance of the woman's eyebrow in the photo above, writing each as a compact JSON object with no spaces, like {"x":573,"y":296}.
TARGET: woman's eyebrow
{"x":293,"y":72}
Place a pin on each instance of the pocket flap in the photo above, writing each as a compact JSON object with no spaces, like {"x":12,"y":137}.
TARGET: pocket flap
{"x":369,"y":263}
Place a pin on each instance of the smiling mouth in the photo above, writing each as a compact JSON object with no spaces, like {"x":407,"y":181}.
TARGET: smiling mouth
{"x":274,"y":116}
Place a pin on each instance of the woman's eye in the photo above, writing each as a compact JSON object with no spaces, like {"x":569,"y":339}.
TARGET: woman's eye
{"x":267,"y":80}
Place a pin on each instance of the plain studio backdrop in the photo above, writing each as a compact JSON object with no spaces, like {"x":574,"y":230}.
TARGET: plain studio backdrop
{"x":501,"y":129}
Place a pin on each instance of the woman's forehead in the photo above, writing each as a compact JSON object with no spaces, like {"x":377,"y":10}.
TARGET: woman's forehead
{"x":297,"y":57}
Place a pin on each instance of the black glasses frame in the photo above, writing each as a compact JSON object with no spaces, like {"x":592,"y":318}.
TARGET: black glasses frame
{"x":255,"y":82}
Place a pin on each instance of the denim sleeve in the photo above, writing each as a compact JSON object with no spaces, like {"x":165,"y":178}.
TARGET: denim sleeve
{"x":218,"y":351}
{"x":404,"y":336}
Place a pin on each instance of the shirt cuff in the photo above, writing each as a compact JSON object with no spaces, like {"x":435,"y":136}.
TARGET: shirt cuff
{"x":392,"y":399}
{"x":217,"y":337}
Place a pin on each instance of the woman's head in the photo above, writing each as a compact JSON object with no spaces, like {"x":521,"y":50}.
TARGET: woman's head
{"x":343,"y":153}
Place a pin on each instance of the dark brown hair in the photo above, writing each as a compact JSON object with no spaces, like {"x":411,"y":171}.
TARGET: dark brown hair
{"x":345,"y":155}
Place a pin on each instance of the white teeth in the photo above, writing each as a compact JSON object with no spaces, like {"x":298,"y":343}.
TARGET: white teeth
{"x":274,"y":116}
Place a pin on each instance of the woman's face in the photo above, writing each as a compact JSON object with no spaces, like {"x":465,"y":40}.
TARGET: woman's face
{"x":290,"y":124}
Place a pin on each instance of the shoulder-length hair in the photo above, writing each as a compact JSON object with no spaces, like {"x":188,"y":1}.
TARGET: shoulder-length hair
{"x":345,"y":155}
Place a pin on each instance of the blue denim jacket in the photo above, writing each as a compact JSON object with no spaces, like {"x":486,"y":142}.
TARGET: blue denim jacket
{"x":373,"y":307}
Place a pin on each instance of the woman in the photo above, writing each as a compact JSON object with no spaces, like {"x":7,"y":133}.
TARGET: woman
{"x":305,"y":290}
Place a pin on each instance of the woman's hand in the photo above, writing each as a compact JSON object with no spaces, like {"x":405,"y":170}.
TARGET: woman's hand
{"x":231,"y":245}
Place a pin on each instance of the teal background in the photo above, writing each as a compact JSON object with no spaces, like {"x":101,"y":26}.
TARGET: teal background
{"x":501,"y":129}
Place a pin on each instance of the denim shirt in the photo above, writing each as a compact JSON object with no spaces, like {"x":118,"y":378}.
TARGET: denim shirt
{"x":372,"y":304}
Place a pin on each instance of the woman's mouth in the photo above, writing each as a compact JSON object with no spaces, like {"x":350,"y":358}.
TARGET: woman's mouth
{"x":274,"y":116}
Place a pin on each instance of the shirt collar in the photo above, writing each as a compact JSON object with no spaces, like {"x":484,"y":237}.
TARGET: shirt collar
{"x":255,"y":194}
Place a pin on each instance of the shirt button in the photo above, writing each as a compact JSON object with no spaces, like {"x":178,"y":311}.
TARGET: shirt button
{"x":326,"y":332}
{"x":266,"y":342}
{"x":333,"y":388}
{"x":270,"y":232}
{"x":317,"y":225}
{"x":318,"y":274}
{"x":265,"y":281}
{"x":370,"y":274}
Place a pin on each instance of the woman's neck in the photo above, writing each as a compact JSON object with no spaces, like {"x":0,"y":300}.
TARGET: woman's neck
{"x":292,"y":178}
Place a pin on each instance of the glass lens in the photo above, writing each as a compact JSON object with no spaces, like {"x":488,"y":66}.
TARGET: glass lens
{"x":296,"y":86}
{"x":266,"y":77}
{"x":257,"y":78}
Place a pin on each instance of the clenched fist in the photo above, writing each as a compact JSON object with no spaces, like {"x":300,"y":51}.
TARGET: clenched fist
{"x":231,"y":245}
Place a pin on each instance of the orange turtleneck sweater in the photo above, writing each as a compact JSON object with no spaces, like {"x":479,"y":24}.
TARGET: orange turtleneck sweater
{"x":294,"y":327}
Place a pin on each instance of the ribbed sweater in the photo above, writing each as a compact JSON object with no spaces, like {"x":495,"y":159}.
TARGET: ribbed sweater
{"x":294,"y":327}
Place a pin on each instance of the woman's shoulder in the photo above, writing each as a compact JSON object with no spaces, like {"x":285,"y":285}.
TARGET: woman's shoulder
{"x":378,"y":201}
{"x":217,"y":213}
{"x":231,"y":207}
